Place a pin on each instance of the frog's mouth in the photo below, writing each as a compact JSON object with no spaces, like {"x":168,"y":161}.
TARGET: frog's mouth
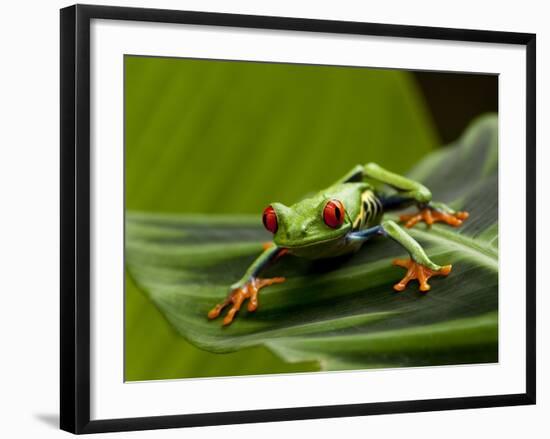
{"x":313,"y":241}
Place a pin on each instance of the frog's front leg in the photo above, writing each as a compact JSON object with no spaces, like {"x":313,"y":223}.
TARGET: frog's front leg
{"x":419,"y":266}
{"x":249,"y":286}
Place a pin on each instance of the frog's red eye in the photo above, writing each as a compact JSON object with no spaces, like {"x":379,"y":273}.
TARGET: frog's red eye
{"x":269,"y":219}
{"x":333,"y":214}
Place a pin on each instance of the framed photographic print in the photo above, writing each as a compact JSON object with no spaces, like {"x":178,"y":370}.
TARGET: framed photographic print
{"x":268,"y":218}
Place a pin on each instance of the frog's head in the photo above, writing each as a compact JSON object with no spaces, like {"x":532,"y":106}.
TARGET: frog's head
{"x":308,"y":222}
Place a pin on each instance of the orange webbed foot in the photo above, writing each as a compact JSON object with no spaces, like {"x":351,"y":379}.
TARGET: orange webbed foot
{"x":431,"y":216}
{"x":237,"y":296}
{"x":419,"y":272}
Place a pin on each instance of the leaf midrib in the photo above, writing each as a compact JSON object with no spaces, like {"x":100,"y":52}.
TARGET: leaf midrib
{"x":485,"y":255}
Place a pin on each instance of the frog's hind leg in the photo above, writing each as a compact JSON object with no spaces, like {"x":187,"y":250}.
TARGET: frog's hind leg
{"x":429,"y":213}
{"x":409,"y":192}
{"x":419,"y":266}
{"x":434,"y":214}
{"x":408,"y":189}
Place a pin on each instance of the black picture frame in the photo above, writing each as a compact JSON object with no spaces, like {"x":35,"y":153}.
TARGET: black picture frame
{"x":75,"y":217}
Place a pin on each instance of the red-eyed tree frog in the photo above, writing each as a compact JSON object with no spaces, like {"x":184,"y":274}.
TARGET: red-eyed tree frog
{"x":339,"y":220}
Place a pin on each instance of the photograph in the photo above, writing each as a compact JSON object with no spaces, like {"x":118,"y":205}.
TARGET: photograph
{"x":286,"y":218}
{"x":275,"y":219}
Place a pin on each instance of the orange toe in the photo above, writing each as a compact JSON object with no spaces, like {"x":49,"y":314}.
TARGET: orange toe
{"x":419,"y":272}
{"x":431,"y":216}
{"x":237,"y":297}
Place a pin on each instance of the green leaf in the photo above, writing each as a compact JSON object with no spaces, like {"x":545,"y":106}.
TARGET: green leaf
{"x":207,"y":136}
{"x":341,"y":313}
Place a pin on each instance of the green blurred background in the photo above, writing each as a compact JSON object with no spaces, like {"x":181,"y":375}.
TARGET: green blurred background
{"x":204,"y":136}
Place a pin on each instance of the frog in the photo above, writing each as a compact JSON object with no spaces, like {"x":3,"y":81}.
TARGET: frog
{"x":340,"y":220}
